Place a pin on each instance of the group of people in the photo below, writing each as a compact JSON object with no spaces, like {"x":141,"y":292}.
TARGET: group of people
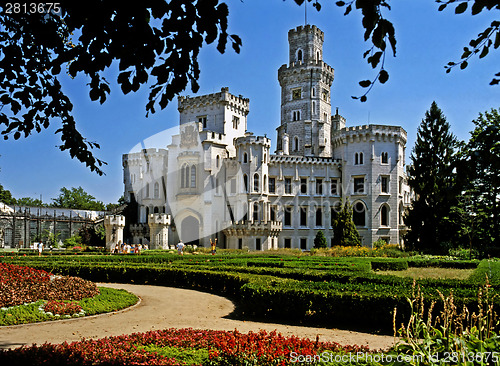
{"x":128,"y":248}
{"x":181,"y":246}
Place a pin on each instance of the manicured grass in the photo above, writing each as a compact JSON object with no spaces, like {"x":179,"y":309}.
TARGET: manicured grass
{"x":431,"y":272}
{"x":106,"y":301}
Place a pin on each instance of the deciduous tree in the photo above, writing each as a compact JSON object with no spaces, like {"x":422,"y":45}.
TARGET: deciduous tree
{"x":77,"y":198}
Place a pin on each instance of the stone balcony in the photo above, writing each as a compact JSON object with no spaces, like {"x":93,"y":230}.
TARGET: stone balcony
{"x":251,"y":227}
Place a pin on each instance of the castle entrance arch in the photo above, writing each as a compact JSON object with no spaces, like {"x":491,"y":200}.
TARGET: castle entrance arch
{"x":190,"y":231}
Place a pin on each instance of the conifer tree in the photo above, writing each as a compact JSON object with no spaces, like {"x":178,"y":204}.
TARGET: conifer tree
{"x":431,"y":177}
{"x":344,"y":230}
{"x":320,"y":240}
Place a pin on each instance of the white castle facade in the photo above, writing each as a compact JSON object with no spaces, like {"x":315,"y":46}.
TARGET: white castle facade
{"x":215,"y":179}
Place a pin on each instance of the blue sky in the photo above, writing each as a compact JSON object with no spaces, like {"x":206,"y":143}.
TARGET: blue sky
{"x":427,"y":40}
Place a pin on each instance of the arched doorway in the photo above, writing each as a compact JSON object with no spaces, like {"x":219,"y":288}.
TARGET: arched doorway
{"x":190,"y":230}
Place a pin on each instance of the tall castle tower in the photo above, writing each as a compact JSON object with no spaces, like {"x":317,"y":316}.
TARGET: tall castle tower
{"x":305,"y":96}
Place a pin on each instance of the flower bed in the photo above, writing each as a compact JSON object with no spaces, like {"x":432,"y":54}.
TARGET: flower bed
{"x":224,"y":348}
{"x":19,"y":285}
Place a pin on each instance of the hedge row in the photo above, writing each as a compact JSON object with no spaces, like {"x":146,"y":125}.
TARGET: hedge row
{"x":357,"y":302}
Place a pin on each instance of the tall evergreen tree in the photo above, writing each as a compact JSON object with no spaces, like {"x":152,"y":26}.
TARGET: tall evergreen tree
{"x":344,"y":230}
{"x":431,"y":177}
{"x":479,"y":172}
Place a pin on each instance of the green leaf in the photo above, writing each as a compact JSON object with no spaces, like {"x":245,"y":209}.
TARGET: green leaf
{"x":461,"y":8}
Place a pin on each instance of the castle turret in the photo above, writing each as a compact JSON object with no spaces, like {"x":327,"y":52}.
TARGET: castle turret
{"x":305,"y":95}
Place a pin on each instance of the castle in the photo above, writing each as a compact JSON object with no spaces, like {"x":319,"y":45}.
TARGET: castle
{"x":217,"y":180}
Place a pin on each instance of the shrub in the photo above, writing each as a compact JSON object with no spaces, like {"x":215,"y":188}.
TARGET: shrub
{"x":320,"y":240}
{"x":392,"y":265}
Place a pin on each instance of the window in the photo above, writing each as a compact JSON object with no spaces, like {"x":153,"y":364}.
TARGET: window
{"x":318,"y":56}
{"x":358,"y":214}
{"x":319,"y":217}
{"x":256,"y":182}
{"x":272,"y":213}
{"x":245,"y":183}
{"x":358,"y":158}
{"x":325,"y":95}
{"x":384,"y":216}
{"x":257,"y":244}
{"x":255,"y":211}
{"x":296,"y":93}
{"x":319,"y":186}
{"x":236,"y":122}
{"x":296,"y":143}
{"x":288,"y":185}
{"x":217,"y":161}
{"x":272,"y":185}
{"x":384,"y":184}
{"x":334,"y":187}
{"x":385,"y":158}
{"x":299,"y":55}
{"x":240,"y":243}
{"x":295,"y":115}
{"x":303,"y":216}
{"x":157,"y":190}
{"x":303,"y":243}
{"x":193,"y":176}
{"x":186,"y":176}
{"x":288,"y":215}
{"x":288,"y":243}
{"x":203,"y":120}
{"x":245,"y":158}
{"x":313,"y":92}
{"x":264,"y":183}
{"x":325,"y":117}
{"x":359,"y":185}
{"x":303,"y":185}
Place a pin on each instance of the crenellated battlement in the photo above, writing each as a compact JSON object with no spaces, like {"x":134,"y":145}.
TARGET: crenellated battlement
{"x":370,"y":132}
{"x":302,"y":30}
{"x":249,"y":138}
{"x":222,"y":97}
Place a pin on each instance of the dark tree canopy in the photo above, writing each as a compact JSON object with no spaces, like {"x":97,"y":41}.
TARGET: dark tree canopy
{"x":152,"y":41}
{"x":6,"y":196}
{"x":320,"y":240}
{"x":344,"y":230}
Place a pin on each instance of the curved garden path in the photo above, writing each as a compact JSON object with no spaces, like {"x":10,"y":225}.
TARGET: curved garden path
{"x":167,"y":307}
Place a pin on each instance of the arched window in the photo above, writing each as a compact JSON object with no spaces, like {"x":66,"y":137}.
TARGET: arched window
{"x":245,"y":182}
{"x":245,"y":157}
{"x":156,"y":209}
{"x":256,"y":182}
{"x":358,"y":214}
{"x":299,"y":55}
{"x":384,"y":215}
{"x":217,"y":161}
{"x":157,"y":190}
{"x":193,"y":176}
{"x":317,"y":56}
{"x":186,"y":176}
{"x":361,"y":158}
{"x":356,"y":159}
{"x":296,"y":143}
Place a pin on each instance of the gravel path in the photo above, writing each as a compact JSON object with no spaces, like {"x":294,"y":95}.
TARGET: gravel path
{"x":167,"y":307}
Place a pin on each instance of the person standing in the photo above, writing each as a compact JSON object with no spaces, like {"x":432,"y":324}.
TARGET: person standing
{"x":40,"y":249}
{"x":180,"y":248}
{"x":213,"y":244}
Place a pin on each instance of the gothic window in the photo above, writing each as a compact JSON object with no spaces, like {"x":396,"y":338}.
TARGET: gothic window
{"x":256,"y":211}
{"x":359,"y":185}
{"x":217,"y":161}
{"x":358,"y":158}
{"x":288,"y":185}
{"x":319,"y":186}
{"x":296,"y":143}
{"x":272,"y":185}
{"x":186,"y":176}
{"x":245,"y":182}
{"x":303,"y":185}
{"x":384,"y":184}
{"x":384,"y":215}
{"x":296,"y":116}
{"x":245,"y":158}
{"x":256,"y":182}
{"x":299,"y":55}
{"x":385,"y":158}
{"x":203,"y":120}
{"x":358,"y":214}
{"x":157,"y":190}
{"x":319,"y":217}
{"x":303,"y":216}
{"x":193,"y":176}
{"x":334,"y":187}
{"x":313,"y":92}
{"x":156,"y":209}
